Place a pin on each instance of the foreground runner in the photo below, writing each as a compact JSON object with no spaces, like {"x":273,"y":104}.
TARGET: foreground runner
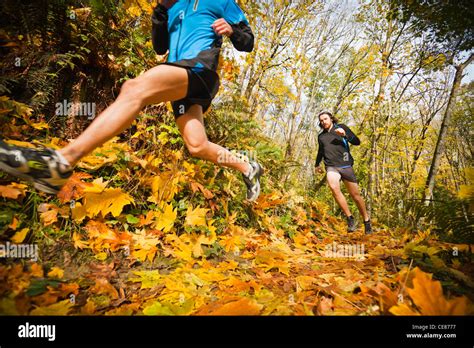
{"x":334,"y":149}
{"x":192,"y":33}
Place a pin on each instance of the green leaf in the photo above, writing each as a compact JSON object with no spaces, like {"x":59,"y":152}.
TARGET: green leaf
{"x":37,"y":287}
{"x":157,"y":309}
{"x":132,"y":219}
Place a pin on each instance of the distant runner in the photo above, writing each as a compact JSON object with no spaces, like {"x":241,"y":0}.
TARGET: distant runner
{"x":334,"y":149}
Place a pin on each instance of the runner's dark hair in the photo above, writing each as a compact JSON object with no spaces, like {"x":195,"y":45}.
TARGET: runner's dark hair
{"x":333,"y":119}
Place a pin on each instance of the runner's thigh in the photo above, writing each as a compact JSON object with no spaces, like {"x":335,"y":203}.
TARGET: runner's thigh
{"x":161,"y":83}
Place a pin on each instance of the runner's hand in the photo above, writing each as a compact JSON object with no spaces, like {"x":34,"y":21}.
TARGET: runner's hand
{"x":167,"y":3}
{"x":221,"y":27}
{"x":340,"y":131}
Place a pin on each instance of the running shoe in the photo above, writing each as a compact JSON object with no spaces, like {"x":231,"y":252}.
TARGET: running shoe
{"x":351,"y":224}
{"x":252,"y":181}
{"x":45,"y":167}
{"x":368,"y":227}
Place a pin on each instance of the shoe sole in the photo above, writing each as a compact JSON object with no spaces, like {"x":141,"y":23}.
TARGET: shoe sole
{"x":38,"y":185}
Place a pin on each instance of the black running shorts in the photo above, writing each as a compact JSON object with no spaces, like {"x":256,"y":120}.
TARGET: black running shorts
{"x":203,"y":85}
{"x":345,"y":173}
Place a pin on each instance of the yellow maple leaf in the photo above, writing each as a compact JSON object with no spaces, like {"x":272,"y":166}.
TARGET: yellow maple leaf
{"x":101,"y":200}
{"x":144,"y":246}
{"x":20,"y":236}
{"x":40,"y":125}
{"x":56,"y":272}
{"x":36,"y":270}
{"x":60,"y":308}
{"x":182,"y":246}
{"x":79,"y":212}
{"x":165,"y":221}
{"x":230,"y":243}
{"x":106,"y":154}
{"x":165,"y":186}
{"x":196,"y":217}
{"x":271,"y":259}
{"x":305,"y":283}
{"x":78,"y":242}
{"x":202,"y":240}
{"x":427,"y":295}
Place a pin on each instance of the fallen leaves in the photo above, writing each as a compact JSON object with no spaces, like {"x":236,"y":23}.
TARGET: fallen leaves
{"x":166,"y":218}
{"x":427,"y":296}
{"x":144,"y":246}
{"x":103,"y":287}
{"x":74,"y":187}
{"x":101,"y":238}
{"x":13,"y":190}
{"x":101,"y":200}
{"x":182,"y":250}
{"x":242,"y":306}
{"x":56,"y":272}
{"x":98,"y":199}
{"x":20,"y":236}
{"x":60,"y":308}
{"x":106,"y":154}
{"x":196,"y":217}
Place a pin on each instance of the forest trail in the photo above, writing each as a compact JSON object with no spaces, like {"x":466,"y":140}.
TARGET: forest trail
{"x":305,"y":263}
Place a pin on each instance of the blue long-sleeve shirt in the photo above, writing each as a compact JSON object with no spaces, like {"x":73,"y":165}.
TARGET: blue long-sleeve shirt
{"x":185,"y":30}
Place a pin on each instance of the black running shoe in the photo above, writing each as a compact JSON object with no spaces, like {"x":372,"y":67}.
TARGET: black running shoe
{"x":351,"y":224}
{"x":48,"y":170}
{"x":253,"y":181}
{"x":368,"y":227}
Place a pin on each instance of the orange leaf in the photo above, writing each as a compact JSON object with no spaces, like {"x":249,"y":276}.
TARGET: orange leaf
{"x":74,"y":187}
{"x":427,"y":295}
{"x":12,"y":191}
{"x":49,"y":217}
{"x":37,"y":270}
{"x":103,"y":287}
{"x":242,"y":306}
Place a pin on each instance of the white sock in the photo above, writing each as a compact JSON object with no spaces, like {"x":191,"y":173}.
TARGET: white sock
{"x":62,"y":159}
{"x":247,"y":173}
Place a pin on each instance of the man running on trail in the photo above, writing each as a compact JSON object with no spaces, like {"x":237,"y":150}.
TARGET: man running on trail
{"x":334,"y":149}
{"x":191,"y":30}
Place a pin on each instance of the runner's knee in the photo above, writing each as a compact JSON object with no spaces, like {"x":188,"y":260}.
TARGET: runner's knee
{"x":132,"y":89}
{"x":334,"y":187}
{"x":197,"y":149}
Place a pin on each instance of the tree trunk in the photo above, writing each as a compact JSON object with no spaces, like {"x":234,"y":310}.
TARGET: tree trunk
{"x":439,"y":149}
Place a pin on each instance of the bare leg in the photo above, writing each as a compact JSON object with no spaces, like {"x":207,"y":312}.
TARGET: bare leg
{"x":191,"y":126}
{"x":353,"y":189}
{"x":159,"y":84}
{"x":333,"y":181}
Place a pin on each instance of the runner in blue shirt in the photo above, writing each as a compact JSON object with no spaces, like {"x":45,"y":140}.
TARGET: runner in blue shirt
{"x":191,"y":31}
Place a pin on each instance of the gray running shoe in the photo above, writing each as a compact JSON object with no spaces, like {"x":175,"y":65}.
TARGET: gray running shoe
{"x":44,"y":167}
{"x":253,"y":181}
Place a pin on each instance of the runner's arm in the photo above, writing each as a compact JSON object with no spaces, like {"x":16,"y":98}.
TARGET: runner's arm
{"x":242,"y":37}
{"x":159,"y":31}
{"x":350,"y":136}
{"x":319,"y":157}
